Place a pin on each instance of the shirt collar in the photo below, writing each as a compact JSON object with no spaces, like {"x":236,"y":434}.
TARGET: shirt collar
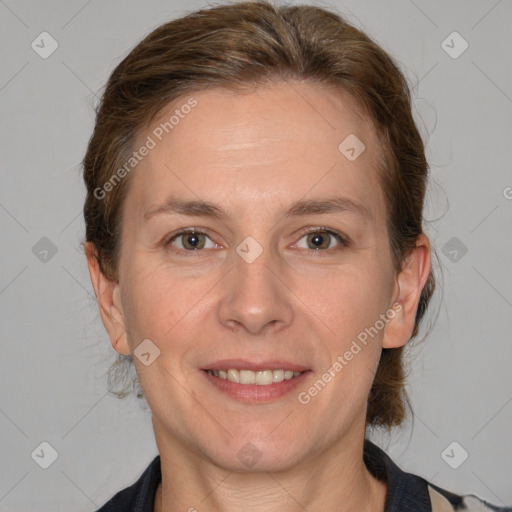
{"x":405,"y":491}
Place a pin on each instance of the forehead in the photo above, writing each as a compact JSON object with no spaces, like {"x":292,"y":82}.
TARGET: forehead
{"x":275,"y":144}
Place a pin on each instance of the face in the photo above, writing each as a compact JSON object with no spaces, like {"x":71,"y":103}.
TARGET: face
{"x":284,"y":269}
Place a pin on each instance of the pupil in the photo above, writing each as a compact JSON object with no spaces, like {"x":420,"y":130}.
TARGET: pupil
{"x":317,"y":240}
{"x":195,"y":240}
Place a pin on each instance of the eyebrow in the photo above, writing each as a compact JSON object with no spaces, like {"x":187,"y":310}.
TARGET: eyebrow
{"x":197,"y":208}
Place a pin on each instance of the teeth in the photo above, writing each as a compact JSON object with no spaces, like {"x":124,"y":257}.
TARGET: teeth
{"x":278,"y":376}
{"x":247,"y":377}
{"x":264,"y":377}
{"x":260,"y":377}
{"x":232,"y":375}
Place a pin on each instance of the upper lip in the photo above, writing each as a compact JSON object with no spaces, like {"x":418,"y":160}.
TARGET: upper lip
{"x":244,"y":364}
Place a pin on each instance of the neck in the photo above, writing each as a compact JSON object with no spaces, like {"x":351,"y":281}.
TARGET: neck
{"x":321,"y":482}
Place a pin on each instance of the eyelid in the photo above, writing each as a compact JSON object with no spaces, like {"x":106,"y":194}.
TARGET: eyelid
{"x":344,"y":241}
{"x":183,"y":231}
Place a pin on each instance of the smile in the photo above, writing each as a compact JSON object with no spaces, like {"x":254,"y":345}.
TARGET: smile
{"x":255,"y":386}
{"x":260,"y":377}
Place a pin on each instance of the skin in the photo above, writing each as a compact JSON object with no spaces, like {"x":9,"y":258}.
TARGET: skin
{"x":254,"y":154}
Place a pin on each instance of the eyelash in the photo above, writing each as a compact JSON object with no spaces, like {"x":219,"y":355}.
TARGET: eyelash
{"x":344,"y":241}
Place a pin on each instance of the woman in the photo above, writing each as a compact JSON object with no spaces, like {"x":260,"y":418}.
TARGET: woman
{"x":255,"y":186}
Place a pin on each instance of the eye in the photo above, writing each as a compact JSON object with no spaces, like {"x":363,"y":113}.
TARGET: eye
{"x":321,"y":238}
{"x":191,"y":241}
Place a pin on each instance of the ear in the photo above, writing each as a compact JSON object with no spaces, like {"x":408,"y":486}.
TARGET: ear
{"x":108,"y":294}
{"x":407,"y":292}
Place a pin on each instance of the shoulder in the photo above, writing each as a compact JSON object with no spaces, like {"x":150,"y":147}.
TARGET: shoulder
{"x":140,"y":496}
{"x":443,"y":500}
{"x":410,"y":492}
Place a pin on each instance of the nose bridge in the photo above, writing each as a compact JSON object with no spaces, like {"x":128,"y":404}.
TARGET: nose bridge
{"x":255,"y":295}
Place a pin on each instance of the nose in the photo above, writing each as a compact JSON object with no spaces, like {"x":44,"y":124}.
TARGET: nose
{"x":255,"y":296}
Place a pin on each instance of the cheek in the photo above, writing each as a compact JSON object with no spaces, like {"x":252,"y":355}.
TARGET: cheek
{"x":351,"y":306}
{"x":348,"y":299}
{"x":162,"y":306}
{"x":151,"y":308}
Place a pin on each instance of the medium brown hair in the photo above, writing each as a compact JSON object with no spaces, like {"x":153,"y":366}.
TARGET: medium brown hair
{"x":241,"y":45}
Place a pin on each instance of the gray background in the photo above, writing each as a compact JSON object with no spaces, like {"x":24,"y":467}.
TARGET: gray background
{"x":55,"y":351}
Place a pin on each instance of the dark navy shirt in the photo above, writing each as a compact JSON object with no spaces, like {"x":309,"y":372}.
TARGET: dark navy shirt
{"x":406,"y":492}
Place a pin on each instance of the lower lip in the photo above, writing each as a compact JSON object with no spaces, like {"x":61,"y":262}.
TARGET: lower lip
{"x":252,"y":393}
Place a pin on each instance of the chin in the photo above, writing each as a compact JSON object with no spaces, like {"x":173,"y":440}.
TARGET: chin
{"x":253,"y":455}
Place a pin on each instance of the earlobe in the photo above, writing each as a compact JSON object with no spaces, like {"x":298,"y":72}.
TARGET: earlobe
{"x":108,"y":294}
{"x":408,"y":287}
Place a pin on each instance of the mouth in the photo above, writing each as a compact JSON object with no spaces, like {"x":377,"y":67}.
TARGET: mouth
{"x":255,"y":382}
{"x":259,"y":377}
